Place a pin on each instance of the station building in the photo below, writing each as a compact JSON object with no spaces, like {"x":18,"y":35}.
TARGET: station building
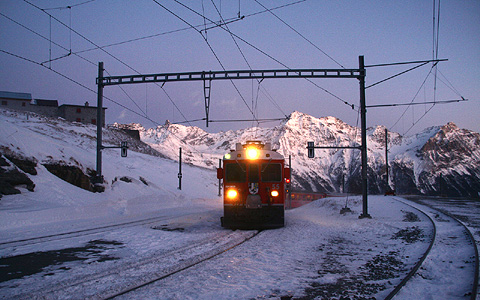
{"x":74,"y":113}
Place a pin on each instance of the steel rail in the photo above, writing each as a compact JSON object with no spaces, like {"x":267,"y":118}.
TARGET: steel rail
{"x":87,"y":231}
{"x":422,"y":259}
{"x":475,"y":282}
{"x":128,"y":290}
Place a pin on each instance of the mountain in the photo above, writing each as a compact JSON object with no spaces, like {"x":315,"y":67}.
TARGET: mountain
{"x":441,"y":160}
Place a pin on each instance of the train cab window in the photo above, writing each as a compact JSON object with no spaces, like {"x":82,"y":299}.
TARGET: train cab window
{"x":253,"y":174}
{"x":271,"y":172}
{"x":235,"y":172}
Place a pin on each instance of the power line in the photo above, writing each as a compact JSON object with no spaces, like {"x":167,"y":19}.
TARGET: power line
{"x":449,"y":85}
{"x":414,"y":97}
{"x":70,"y":79}
{"x":435,"y":44}
{"x":62,"y":47}
{"x":249,"y":120}
{"x":396,"y":75}
{"x":245,"y":59}
{"x":211,"y":49}
{"x":269,"y":56}
{"x":78,"y":83}
{"x":406,"y":63}
{"x":95,"y":92}
{"x":416,"y":122}
{"x":301,"y":35}
{"x":227,"y":21}
{"x":69,"y":6}
{"x":417,"y":103}
{"x":106,"y":52}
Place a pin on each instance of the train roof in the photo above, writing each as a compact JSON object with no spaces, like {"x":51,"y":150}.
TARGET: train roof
{"x":253,"y":150}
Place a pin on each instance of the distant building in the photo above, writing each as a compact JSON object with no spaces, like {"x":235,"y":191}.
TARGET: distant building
{"x":17,"y":101}
{"x":47,"y":108}
{"x":74,"y":113}
{"x":77,"y":113}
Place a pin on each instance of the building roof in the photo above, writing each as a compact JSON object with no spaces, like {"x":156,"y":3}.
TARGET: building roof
{"x":15,"y":96}
{"x":43,"y":102}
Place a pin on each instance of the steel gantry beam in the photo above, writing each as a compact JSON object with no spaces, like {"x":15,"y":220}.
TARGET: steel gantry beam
{"x":229,"y":75}
{"x":208,"y":76}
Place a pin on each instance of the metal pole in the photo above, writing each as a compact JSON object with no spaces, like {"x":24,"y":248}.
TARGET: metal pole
{"x":290,"y":184}
{"x":386,"y":156}
{"x":219,"y":180}
{"x":180,"y":169}
{"x":99,"y":177}
{"x":363,"y":114}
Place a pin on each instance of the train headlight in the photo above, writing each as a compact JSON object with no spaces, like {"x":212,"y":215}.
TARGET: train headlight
{"x":232,"y":194}
{"x":252,"y":153}
{"x":228,"y":156}
{"x":274,"y":193}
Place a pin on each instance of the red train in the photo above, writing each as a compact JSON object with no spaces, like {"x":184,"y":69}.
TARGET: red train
{"x":254,"y":178}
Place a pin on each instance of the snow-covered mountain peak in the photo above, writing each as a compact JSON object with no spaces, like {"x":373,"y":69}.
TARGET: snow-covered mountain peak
{"x":302,"y":120}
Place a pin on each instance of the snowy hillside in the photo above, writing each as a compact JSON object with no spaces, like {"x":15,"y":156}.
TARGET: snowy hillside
{"x":144,"y":174}
{"x":439,"y":160}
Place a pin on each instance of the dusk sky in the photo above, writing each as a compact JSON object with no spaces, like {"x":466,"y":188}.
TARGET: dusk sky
{"x":157,"y":37}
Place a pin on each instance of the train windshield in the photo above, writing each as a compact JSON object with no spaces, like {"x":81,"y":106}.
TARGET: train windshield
{"x":253,"y":175}
{"x":271,"y":172}
{"x":235,"y":172}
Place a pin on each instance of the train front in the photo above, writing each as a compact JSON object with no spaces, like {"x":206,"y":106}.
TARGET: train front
{"x":254,"y":178}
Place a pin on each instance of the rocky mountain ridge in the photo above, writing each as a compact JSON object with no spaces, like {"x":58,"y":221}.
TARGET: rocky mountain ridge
{"x":440,"y":160}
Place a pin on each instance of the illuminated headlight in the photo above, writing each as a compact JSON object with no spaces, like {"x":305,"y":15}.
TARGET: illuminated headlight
{"x":232,"y":194}
{"x":252,"y":153}
{"x":274,"y":193}
{"x":228,"y":156}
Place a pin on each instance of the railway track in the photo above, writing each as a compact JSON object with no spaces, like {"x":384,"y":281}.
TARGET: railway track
{"x":191,"y":264}
{"x":84,"y":232}
{"x":136,"y":274}
{"x":446,"y":229}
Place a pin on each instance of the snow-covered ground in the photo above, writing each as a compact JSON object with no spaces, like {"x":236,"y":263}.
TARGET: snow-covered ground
{"x":320,"y":253}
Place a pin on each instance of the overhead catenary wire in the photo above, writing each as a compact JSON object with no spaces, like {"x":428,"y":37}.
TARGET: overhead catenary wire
{"x":396,"y":75}
{"x":249,"y":120}
{"x":418,"y":103}
{"x":449,"y":84}
{"x":259,"y":81}
{"x":211,"y":49}
{"x":436,"y":31}
{"x":413,"y":99}
{"x":271,"y":57}
{"x":95,"y":92}
{"x":84,"y":86}
{"x":69,"y":6}
{"x":70,"y":79}
{"x":103,"y":50}
{"x":91,"y":90}
{"x":64,"y":48}
{"x":435,"y":47}
{"x":214,"y":25}
{"x":301,"y":35}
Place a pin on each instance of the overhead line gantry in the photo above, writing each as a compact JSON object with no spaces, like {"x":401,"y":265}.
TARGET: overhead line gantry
{"x":208,"y":76}
{"x":228,"y":75}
